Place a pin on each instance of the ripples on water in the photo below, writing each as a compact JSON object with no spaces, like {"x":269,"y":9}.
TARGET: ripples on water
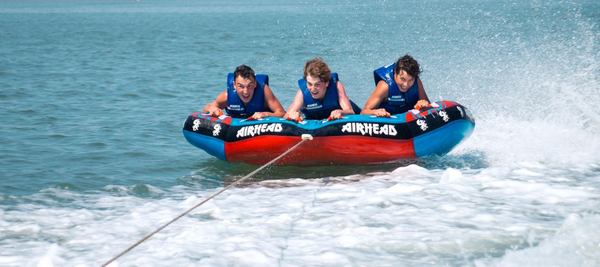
{"x":93,"y":97}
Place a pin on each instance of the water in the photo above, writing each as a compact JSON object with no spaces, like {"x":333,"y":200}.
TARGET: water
{"x":93,"y":95}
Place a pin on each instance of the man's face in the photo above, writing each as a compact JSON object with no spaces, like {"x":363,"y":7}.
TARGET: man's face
{"x":244,"y":88}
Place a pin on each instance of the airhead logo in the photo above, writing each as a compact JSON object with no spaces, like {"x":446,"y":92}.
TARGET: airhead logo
{"x":216,"y":129}
{"x":196,"y":125}
{"x":314,"y":106}
{"x":235,"y":107}
{"x":422,"y":124}
{"x":369,"y":128}
{"x":444,"y":116}
{"x":259,"y":129}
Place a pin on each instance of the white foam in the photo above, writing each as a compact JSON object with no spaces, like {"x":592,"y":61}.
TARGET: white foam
{"x":10,"y":260}
{"x":363,"y":220}
{"x":410,"y":171}
{"x":451,"y":175}
{"x":51,"y":258}
{"x":400,"y":188}
{"x":535,"y":191}
{"x":576,"y":243}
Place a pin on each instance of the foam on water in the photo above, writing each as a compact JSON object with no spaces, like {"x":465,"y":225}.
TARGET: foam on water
{"x":411,"y":215}
{"x":542,"y":106}
{"x":506,"y":140}
{"x":576,"y":243}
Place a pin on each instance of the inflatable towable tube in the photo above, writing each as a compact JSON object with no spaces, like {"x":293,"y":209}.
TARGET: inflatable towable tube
{"x":354,"y":139}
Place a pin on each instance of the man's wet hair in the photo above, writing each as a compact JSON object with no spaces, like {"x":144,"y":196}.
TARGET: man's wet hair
{"x":317,"y":68}
{"x":408,"y":64}
{"x":244,"y":72}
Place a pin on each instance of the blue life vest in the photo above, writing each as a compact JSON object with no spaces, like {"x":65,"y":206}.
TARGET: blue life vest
{"x":237,"y":108}
{"x":321,"y":109}
{"x":396,"y":102}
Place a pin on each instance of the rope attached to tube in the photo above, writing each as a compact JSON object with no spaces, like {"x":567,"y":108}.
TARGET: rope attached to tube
{"x":305,"y":137}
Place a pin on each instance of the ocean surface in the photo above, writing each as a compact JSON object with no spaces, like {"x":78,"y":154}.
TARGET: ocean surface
{"x":93,"y":96}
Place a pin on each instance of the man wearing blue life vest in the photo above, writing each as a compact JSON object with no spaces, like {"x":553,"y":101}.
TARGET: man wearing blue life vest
{"x":398,"y":89}
{"x":321,"y":95}
{"x":247,"y":96}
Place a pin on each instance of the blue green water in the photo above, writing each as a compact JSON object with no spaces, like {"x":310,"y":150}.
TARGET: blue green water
{"x":93,"y":96}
